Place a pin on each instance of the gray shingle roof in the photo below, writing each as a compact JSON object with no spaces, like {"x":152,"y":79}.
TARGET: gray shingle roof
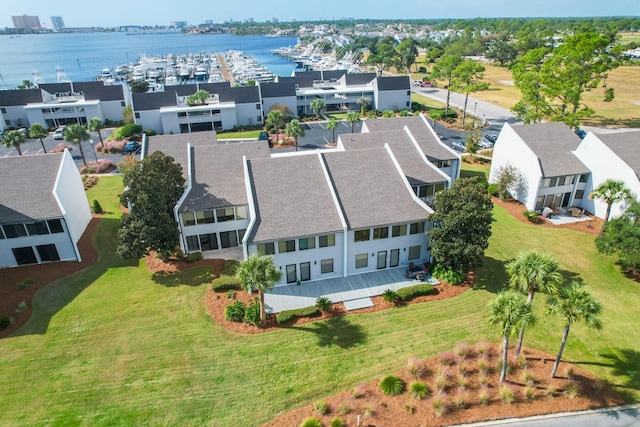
{"x":354,"y":79}
{"x":625,"y":145}
{"x":333,"y":74}
{"x":10,"y":98}
{"x":240,"y":94}
{"x":553,"y":144}
{"x":154,"y":101}
{"x":371,"y":190}
{"x":23,"y":198}
{"x":293,"y":199}
{"x":176,"y":146}
{"x":425,"y":139}
{"x":97,"y":90}
{"x":412,"y":162}
{"x":394,"y":83}
{"x":276,"y":90}
{"x":218,"y":179}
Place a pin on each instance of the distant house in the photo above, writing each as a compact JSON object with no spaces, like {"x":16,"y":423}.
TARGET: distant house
{"x":43,"y":209}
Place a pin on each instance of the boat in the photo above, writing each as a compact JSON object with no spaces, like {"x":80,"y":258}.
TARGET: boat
{"x":200,"y":73}
{"x":61,"y":76}
{"x":37,"y":78}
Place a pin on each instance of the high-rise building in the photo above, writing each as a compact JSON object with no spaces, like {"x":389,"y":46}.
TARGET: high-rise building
{"x":57,"y":23}
{"x":178,"y":24}
{"x":26,"y":22}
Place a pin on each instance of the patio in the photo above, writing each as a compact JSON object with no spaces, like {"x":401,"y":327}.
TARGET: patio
{"x":567,"y":218}
{"x":339,"y":289}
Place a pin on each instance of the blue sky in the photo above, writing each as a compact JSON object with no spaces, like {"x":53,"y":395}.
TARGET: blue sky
{"x":79,"y":13}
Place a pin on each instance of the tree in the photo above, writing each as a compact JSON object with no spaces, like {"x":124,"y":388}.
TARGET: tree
{"x":140,"y":87}
{"x":77,"y":134}
{"x":318,"y":107}
{"x":527,"y":76}
{"x":96,"y":125}
{"x":38,"y":131}
{"x":14,"y":138}
{"x":382,"y":57}
{"x":152,"y":189}
{"x":573,"y":304}
{"x":127,"y":115}
{"x":462,"y":225}
{"x":622,"y":236}
{"x":332,"y":126}
{"x":472,"y":144}
{"x":364,"y":103}
{"x":502,"y":53}
{"x":507,"y":177}
{"x":198,"y":98}
{"x":353,"y":118}
{"x":530,"y":272}
{"x":610,"y":192}
{"x":26,"y":84}
{"x":444,"y":69}
{"x":294,"y":130}
{"x":407,"y":53}
{"x":258,"y":273}
{"x":509,"y":312}
{"x":468,"y":79}
{"x":276,"y":119}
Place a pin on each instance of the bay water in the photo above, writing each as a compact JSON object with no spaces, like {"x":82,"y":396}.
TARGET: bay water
{"x":82,"y":56}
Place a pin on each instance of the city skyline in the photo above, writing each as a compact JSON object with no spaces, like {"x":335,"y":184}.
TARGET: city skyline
{"x":76,"y":13}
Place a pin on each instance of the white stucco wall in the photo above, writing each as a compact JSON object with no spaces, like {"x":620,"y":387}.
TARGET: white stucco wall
{"x":392,"y":99}
{"x":13,"y":114}
{"x":64,"y":246}
{"x":247,"y":114}
{"x":151,"y":119}
{"x":111,"y":110}
{"x":289,"y":101}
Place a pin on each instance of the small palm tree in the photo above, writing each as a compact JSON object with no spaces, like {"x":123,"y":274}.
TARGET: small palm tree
{"x":509,"y":311}
{"x":573,"y":304}
{"x":364,"y":104}
{"x":77,"y":134}
{"x":96,"y":125}
{"x":294,"y":130}
{"x":38,"y":131}
{"x":610,"y":192}
{"x":317,"y":106}
{"x":530,"y":272}
{"x":353,"y":118}
{"x":332,"y":126}
{"x":258,"y":273}
{"x":276,"y":119}
{"x":14,"y":138}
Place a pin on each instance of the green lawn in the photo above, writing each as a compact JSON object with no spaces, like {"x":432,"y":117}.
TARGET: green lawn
{"x":115,"y":344}
{"x":250,"y":134}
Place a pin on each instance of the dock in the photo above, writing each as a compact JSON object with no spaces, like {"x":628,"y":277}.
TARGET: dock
{"x":224,"y":70}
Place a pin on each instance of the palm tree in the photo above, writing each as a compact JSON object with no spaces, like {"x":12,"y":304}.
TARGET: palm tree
{"x":317,"y":106}
{"x":96,"y":125}
{"x":610,"y":192}
{"x":364,"y":104}
{"x":258,"y":273}
{"x":276,"y":119}
{"x":38,"y":131}
{"x":530,"y":272}
{"x":14,"y":138}
{"x":332,"y":126}
{"x":353,"y":118}
{"x":509,"y":311}
{"x":573,"y":303}
{"x":76,"y":134}
{"x":293,"y":130}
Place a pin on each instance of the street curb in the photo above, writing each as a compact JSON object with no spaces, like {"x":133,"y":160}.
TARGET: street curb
{"x":551,"y":416}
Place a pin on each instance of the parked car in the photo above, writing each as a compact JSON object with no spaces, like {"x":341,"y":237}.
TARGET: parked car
{"x":459,"y":145}
{"x":581,"y":133}
{"x":264,"y":136}
{"x":492,"y":137}
{"x":58,"y":133}
{"x":132,"y":147}
{"x":484,"y":143}
{"x":425,"y":84}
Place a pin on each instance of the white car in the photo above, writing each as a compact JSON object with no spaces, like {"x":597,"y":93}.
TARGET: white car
{"x":58,"y":133}
{"x":484,"y":143}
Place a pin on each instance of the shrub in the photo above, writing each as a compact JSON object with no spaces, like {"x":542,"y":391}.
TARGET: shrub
{"x":438,"y":405}
{"x":462,"y":380}
{"x":483,"y":396}
{"x":96,"y":207}
{"x":390,"y":295}
{"x":532,"y":216}
{"x":448,"y":274}
{"x":344,"y":409}
{"x":572,"y":390}
{"x":231,"y":294}
{"x":409,"y":408}
{"x":321,"y":407}
{"x":571,"y":372}
{"x":230,"y":267}
{"x":287,"y":315}
{"x":337,"y":422}
{"x":5,"y":322}
{"x":493,"y":189}
{"x":462,"y":350}
{"x":226,"y":283}
{"x":419,"y":390}
{"x":149,"y":132}
{"x":324,"y":304}
{"x":415,"y":367}
{"x":522,"y":362}
{"x":358,"y":391}
{"x":483,"y":379}
{"x":311,"y":422}
{"x":549,"y":390}
{"x":252,"y":313}
{"x":235,"y":312}
{"x":529,"y":392}
{"x":446,"y":359}
{"x":460,"y":400}
{"x":441,"y":379}
{"x":308,"y":311}
{"x":22,"y":307}
{"x":404,"y":113}
{"x":407,"y":294}
{"x":597,"y":386}
{"x":507,"y":395}
{"x":129,"y":130}
{"x":528,"y":377}
{"x":23,"y":285}
{"x":193,"y":257}
{"x":442,"y":115}
{"x":391,"y":385}
{"x":483,"y":365}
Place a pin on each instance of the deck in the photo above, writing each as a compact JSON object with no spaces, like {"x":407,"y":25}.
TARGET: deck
{"x":338,"y":289}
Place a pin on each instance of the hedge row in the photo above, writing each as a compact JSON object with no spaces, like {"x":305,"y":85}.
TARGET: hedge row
{"x":226,"y":283}
{"x":287,"y":315}
{"x":407,"y":294}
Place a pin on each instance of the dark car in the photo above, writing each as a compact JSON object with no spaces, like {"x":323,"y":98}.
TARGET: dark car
{"x":132,"y":147}
{"x":492,"y":137}
{"x":581,"y":133}
{"x":264,"y":136}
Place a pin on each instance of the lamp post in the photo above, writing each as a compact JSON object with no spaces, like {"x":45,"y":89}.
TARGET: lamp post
{"x":475,"y":105}
{"x":94,"y":151}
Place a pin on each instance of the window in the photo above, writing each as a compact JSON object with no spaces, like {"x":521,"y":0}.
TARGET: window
{"x":259,"y":119}
{"x":266,"y":248}
{"x":224,"y":214}
{"x":539,"y":203}
{"x":55,"y":226}
{"x":286,"y":246}
{"x":137,"y":115}
{"x":7,"y":122}
{"x":328,"y":240}
{"x":382,"y":260}
{"x":416,"y":227}
{"x":241,"y":235}
{"x":3,"y":110}
{"x":257,"y":106}
{"x":445,"y":164}
{"x":399,"y":230}
{"x":193,"y":244}
{"x":568,"y":180}
{"x":188,"y":219}
{"x":14,"y":230}
{"x":182,"y":114}
{"x":394,"y":261}
{"x":241,"y":212}
{"x":204,"y":217}
{"x":48,"y":253}
{"x":228,"y":239}
{"x":326,"y":266}
{"x":361,"y":235}
{"x":122,"y":104}
{"x":208,"y":242}
{"x":408,"y":92}
{"x":584,"y":177}
{"x":439,"y":187}
{"x":24,"y":255}
{"x":579,"y":194}
{"x":305,"y":271}
{"x":362,"y":260}
{"x":291,"y":273}
{"x":37,"y":228}
{"x":380,"y":233}
{"x":308,"y":243}
{"x":414,"y":252}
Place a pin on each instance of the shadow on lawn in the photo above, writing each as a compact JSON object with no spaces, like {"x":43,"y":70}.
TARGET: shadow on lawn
{"x":338,"y":331}
{"x":492,"y":276}
{"x":194,"y":276}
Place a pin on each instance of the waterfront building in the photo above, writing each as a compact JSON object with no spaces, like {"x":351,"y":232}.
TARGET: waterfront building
{"x":26,"y":22}
{"x":57,"y":23}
